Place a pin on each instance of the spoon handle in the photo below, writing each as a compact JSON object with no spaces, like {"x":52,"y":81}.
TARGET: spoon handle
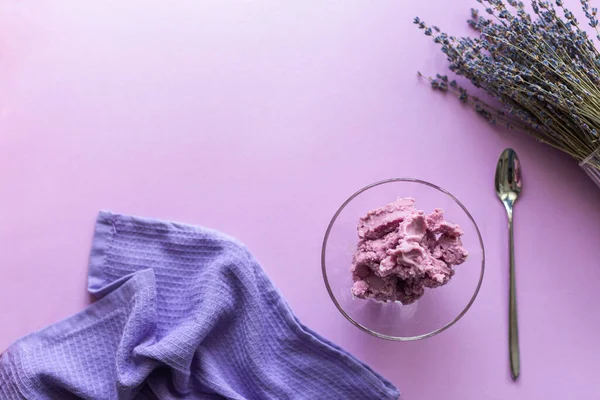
{"x":513,"y":332}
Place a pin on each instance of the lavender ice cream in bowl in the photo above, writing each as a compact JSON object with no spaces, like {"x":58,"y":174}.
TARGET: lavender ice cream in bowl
{"x":397,"y":271}
{"x":401,"y":251}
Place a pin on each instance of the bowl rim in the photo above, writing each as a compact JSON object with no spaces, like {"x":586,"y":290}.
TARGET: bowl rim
{"x":364,"y":328}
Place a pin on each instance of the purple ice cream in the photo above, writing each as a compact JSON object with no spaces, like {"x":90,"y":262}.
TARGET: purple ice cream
{"x":401,"y":251}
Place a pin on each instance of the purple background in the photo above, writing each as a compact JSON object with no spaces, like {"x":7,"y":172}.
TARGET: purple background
{"x":259,"y":118}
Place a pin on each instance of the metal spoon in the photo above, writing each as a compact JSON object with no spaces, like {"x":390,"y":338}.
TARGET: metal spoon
{"x":508,"y":186}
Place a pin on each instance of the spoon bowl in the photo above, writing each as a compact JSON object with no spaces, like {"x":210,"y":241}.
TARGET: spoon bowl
{"x":508,"y":179}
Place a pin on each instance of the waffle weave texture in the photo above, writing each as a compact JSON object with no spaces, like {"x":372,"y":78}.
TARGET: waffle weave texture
{"x":183,"y":312}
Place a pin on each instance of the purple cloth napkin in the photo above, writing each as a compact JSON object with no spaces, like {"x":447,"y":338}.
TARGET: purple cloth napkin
{"x":183,"y":313}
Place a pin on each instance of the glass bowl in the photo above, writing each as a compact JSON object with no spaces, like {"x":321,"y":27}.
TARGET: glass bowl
{"x":439,"y":308}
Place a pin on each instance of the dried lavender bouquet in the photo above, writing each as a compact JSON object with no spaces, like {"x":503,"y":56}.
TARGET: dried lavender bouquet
{"x":542,"y":67}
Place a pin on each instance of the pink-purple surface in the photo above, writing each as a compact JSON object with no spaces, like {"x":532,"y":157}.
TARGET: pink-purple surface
{"x":259,"y":118}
